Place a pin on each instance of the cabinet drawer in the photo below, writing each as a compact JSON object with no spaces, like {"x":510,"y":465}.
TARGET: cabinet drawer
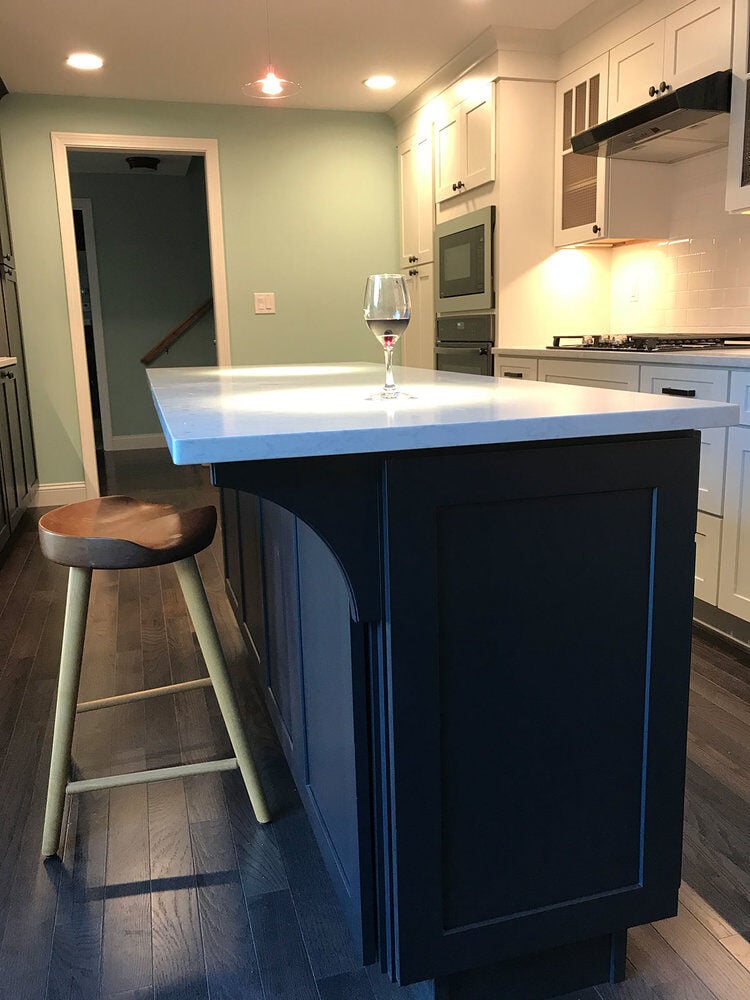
{"x":707,"y":546}
{"x":601,"y":374}
{"x":697,"y":383}
{"x":517,"y":368}
{"x":734,"y":572}
{"x":739,"y":393}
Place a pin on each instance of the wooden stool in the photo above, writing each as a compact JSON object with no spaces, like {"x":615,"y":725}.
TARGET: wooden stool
{"x":122,"y":533}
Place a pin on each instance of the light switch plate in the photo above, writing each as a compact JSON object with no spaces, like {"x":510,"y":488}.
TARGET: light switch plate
{"x":265,"y":302}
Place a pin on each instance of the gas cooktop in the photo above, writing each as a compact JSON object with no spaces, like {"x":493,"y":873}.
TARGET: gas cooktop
{"x":648,"y":342}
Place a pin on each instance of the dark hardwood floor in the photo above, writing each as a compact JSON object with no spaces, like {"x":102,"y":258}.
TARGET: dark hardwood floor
{"x":173,"y":891}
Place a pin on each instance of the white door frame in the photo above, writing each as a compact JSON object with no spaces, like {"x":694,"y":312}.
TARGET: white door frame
{"x":209,"y":149}
{"x":83,"y":205}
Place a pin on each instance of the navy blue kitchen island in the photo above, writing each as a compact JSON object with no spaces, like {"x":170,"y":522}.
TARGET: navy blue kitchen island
{"x":476,"y":654}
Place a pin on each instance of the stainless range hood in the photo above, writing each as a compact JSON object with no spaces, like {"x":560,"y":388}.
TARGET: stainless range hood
{"x":692,"y":119}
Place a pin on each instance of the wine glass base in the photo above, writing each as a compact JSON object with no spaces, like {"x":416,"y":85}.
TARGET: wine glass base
{"x":388,"y":395}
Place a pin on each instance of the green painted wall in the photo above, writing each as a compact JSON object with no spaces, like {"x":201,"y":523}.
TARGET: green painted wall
{"x":154,"y":265}
{"x":310,"y":209}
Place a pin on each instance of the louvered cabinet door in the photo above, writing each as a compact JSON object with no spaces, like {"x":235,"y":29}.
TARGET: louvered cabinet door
{"x":580,"y":180}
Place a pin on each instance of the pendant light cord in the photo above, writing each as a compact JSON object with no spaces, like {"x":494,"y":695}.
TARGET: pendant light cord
{"x":268,"y":33}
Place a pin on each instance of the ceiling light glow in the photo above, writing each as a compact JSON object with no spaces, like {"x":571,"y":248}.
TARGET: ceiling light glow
{"x":84,"y":60}
{"x":379,"y":82}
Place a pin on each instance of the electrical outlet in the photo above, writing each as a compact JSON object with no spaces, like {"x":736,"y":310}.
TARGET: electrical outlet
{"x":265,"y":303}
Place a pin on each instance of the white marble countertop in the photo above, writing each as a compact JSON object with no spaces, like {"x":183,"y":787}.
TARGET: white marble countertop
{"x":4,"y":362}
{"x":730,"y":357}
{"x":290,"y":411}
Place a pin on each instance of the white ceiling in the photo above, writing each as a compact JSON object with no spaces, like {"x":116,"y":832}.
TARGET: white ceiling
{"x":204,"y":50}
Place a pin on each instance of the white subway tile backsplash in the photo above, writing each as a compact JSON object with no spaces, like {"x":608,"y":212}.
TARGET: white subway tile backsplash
{"x":701,"y":284}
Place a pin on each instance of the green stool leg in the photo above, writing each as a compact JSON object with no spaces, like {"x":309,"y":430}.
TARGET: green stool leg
{"x":205,"y":629}
{"x":76,"y":608}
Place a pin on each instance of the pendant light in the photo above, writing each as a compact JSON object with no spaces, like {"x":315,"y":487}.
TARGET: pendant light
{"x":270,"y":87}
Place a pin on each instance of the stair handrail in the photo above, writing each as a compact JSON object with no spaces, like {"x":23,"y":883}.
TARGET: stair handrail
{"x":174,"y":335}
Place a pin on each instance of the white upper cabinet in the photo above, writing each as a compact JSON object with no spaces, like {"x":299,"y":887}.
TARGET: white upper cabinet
{"x":688,"y":44}
{"x":595,"y":198}
{"x":465,"y":146}
{"x":417,"y":203}
{"x":635,"y":67}
{"x":738,"y":160}
{"x":579,"y":180}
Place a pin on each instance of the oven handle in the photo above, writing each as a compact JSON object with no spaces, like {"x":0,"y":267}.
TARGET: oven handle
{"x":481,"y":351}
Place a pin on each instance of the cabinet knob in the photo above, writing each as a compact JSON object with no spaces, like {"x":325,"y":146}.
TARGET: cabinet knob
{"x":413,"y":271}
{"x":596,"y":230}
{"x":413,"y":260}
{"x":4,"y":373}
{"x":664,"y":87}
{"x":460,"y":184}
{"x":652,"y":91}
{"x":455,"y":187}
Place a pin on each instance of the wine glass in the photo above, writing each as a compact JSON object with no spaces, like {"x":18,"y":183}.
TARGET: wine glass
{"x":387,"y":311}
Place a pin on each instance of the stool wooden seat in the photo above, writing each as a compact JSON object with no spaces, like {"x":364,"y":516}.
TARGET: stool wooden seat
{"x":123,"y":533}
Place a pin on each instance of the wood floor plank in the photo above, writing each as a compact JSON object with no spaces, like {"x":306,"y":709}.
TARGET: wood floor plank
{"x":712,"y":964}
{"x":179,"y":968}
{"x":284,"y":965}
{"x":702,"y":872}
{"x":710,"y":919}
{"x":261,"y":866}
{"x":346,"y":986}
{"x":232,"y":968}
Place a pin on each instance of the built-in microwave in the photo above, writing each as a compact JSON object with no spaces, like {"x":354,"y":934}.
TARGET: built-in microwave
{"x":465,"y":258}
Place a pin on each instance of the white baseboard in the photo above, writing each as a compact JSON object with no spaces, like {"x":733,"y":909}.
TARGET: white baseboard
{"x":130,"y":442}
{"x":57,"y":494}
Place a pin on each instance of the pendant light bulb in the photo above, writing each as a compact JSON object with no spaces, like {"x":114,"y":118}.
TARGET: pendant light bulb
{"x":270,"y":87}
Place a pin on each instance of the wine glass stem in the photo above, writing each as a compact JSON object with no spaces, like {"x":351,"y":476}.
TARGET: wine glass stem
{"x":390,"y":385}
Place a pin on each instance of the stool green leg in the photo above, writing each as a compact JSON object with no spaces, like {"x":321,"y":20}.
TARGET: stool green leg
{"x":76,"y":608}
{"x":205,"y":629}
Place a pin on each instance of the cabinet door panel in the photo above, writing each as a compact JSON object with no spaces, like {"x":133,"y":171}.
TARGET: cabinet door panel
{"x":252,"y":574}
{"x":739,"y":393}
{"x":479,"y":127}
{"x":599,"y":374}
{"x":697,"y":41}
{"x":418,"y":343}
{"x":407,"y":176}
{"x":707,"y":543}
{"x":705,"y":383}
{"x":634,"y":66}
{"x":283,"y":675}
{"x":447,"y":161}
{"x":520,"y":368}
{"x":734,"y":573}
{"x":559,"y":726}
{"x":580,"y":181}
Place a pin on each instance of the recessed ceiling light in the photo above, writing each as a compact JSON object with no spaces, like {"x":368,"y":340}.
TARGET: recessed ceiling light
{"x":85,"y":60}
{"x":379,"y":82}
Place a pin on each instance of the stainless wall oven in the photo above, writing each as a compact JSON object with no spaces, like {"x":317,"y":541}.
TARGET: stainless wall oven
{"x":464,"y":344}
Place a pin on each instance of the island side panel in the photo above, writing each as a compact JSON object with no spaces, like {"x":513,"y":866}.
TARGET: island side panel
{"x":539,"y":607}
{"x":314,"y":658}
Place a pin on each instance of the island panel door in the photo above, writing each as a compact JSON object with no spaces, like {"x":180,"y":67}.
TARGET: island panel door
{"x":539,"y":612}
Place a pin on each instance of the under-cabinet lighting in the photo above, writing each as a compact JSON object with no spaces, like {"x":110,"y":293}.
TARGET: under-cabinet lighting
{"x":84,"y":60}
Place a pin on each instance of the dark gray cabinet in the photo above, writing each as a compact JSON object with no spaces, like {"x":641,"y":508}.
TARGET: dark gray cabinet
{"x":18,"y":474}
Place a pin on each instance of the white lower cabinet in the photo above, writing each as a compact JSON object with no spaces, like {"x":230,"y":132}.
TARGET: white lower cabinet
{"x":600,"y":374}
{"x":418,"y":343}
{"x":734,"y":570}
{"x":707,"y":548}
{"x":697,"y":383}
{"x":516,"y":368}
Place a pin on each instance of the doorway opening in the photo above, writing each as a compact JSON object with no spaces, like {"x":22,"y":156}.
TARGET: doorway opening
{"x":145,"y":278}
